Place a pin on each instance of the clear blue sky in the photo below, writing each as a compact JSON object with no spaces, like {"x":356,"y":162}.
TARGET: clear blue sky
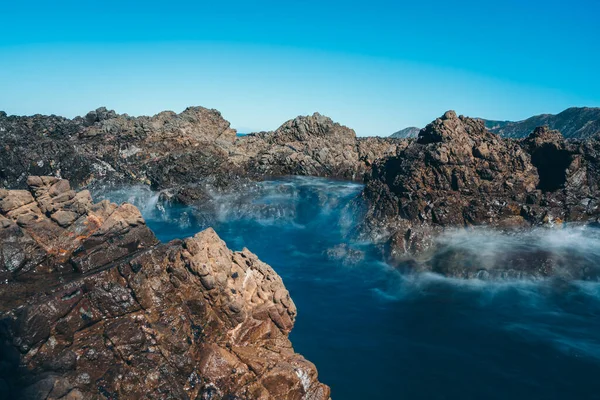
{"x":376,"y":66}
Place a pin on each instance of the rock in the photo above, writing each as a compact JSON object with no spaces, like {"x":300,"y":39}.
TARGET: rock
{"x":550,"y":157}
{"x":59,"y":187}
{"x":64,"y":218}
{"x":312,"y":145}
{"x":455,"y":174}
{"x":458,"y":174}
{"x":194,"y":148}
{"x":97,"y":308}
{"x":14,"y":199}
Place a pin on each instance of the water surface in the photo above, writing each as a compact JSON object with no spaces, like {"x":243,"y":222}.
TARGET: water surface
{"x":375,"y":333}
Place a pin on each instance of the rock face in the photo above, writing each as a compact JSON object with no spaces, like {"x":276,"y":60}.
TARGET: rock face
{"x":313,"y":145}
{"x":93,"y":307}
{"x":177,"y":150}
{"x":458,"y":174}
{"x":105,"y":146}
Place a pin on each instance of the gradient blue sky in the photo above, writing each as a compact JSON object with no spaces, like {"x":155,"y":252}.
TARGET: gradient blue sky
{"x":376,"y":66}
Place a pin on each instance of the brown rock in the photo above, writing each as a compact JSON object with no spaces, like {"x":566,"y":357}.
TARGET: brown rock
{"x":11,"y":200}
{"x":142,"y":321}
{"x":59,"y":187}
{"x":458,"y":174}
{"x":64,"y":218}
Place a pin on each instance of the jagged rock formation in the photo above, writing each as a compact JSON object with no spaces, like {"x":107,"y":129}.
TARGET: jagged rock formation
{"x":455,"y":174}
{"x":178,"y":150}
{"x":159,"y":150}
{"x":458,"y":174}
{"x":314,"y":145}
{"x":93,"y":307}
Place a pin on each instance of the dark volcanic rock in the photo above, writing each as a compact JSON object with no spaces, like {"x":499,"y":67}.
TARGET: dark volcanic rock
{"x":92,"y":307}
{"x":42,"y":145}
{"x":458,"y":174}
{"x":550,"y":156}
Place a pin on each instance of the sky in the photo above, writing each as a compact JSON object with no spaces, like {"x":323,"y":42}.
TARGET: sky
{"x":375,"y":66}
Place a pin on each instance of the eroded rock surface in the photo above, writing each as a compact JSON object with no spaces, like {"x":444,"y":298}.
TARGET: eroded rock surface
{"x":458,"y":174}
{"x":314,"y":145}
{"x":93,"y":307}
{"x":182,"y":151}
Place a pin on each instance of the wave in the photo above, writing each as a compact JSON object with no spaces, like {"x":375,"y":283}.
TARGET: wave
{"x":571,"y":252}
{"x":542,"y":312}
{"x":286,"y":203}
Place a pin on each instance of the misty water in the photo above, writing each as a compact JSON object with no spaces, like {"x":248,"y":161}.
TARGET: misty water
{"x":374,"y":332}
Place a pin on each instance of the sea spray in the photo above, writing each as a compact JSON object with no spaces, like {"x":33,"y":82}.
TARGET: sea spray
{"x":408,"y":335}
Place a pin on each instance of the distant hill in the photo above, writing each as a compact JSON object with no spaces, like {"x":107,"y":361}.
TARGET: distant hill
{"x":491,"y":124}
{"x":409,"y":132}
{"x":575,"y":122}
{"x":572,"y":123}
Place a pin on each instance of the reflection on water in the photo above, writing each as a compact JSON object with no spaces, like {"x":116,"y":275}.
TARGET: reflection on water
{"x":376,"y":333}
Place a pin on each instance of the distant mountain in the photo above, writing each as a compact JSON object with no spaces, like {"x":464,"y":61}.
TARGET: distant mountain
{"x":491,"y":124}
{"x":575,"y":122}
{"x":405,"y":133}
{"x":572,"y":123}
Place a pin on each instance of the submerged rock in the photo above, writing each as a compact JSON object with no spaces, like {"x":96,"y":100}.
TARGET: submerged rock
{"x":92,"y":306}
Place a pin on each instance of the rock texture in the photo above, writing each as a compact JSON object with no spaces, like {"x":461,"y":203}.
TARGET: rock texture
{"x":313,"y":145}
{"x":105,"y":146}
{"x":458,"y":174}
{"x":93,"y":307}
{"x":182,"y":150}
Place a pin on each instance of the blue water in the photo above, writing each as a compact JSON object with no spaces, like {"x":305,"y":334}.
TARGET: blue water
{"x":375,"y":333}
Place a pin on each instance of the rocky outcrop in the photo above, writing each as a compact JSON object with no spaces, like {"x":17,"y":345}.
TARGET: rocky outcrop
{"x":372,"y":149}
{"x":182,"y":151}
{"x":313,"y":145}
{"x":458,"y":174}
{"x":93,"y":307}
{"x":105,"y":146}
